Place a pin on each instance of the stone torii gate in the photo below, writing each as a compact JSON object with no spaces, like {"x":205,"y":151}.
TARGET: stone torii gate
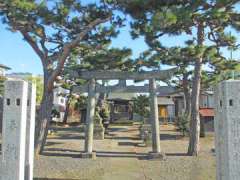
{"x":92,"y":88}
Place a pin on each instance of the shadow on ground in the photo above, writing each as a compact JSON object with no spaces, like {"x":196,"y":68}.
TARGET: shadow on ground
{"x":56,"y":179}
{"x":52,"y":143}
{"x":128,"y":143}
{"x":114,"y":154}
{"x":67,"y":136}
{"x":58,"y":154}
{"x":121,"y":137}
{"x":62,"y":150}
{"x":107,"y":154}
{"x":176,"y":154}
{"x":165,"y":137}
{"x":112,"y":134}
{"x":117,"y":129}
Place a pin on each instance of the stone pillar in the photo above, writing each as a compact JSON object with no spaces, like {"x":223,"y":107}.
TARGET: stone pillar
{"x":156,"y":151}
{"x":227,"y":130}
{"x":90,"y":120}
{"x":30,"y":131}
{"x":1,"y":113}
{"x":14,"y":130}
{"x":154,"y":117}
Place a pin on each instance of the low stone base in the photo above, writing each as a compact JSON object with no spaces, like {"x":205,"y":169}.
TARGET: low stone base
{"x":86,"y":155}
{"x":98,"y":133}
{"x":106,"y":131}
{"x":148,"y":140}
{"x":146,"y":134}
{"x":157,"y":156}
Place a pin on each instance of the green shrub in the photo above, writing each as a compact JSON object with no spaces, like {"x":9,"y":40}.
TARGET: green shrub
{"x":183,"y":124}
{"x":141,"y":106}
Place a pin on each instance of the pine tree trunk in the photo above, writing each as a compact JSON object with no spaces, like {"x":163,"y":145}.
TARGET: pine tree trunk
{"x":187,"y":95}
{"x":194,"y":144}
{"x":43,"y":118}
{"x":67,"y":110}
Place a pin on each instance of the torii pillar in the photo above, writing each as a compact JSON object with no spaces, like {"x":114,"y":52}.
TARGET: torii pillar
{"x":156,"y":150}
{"x":88,"y":149}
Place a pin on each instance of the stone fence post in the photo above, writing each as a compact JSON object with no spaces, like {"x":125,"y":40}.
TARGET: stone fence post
{"x":14,"y":130}
{"x":18,"y":130}
{"x":227,"y":130}
{"x":1,"y":113}
{"x":30,"y":131}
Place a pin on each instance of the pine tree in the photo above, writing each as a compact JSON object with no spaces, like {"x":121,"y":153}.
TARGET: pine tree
{"x":90,"y":59}
{"x":202,"y":21}
{"x":54,"y":29}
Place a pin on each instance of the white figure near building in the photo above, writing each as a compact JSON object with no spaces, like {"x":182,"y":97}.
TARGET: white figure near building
{"x":59,"y":102}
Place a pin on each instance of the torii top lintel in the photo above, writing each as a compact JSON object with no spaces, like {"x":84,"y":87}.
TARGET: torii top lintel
{"x":110,"y":75}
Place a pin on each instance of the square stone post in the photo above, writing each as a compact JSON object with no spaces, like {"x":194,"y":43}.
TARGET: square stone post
{"x":90,"y":120}
{"x":14,"y":130}
{"x":30,"y":131}
{"x":227,"y":130}
{"x":156,"y":151}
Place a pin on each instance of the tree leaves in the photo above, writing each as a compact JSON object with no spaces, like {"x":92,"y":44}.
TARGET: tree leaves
{"x":163,"y":19}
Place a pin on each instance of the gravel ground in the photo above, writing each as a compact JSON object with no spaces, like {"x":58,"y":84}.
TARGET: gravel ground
{"x":119,"y":157}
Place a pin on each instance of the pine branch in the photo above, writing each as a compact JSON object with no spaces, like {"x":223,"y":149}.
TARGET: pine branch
{"x":66,"y":50}
{"x":33,"y":44}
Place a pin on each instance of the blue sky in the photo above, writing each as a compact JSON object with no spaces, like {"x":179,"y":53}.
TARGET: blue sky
{"x":17,"y":54}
